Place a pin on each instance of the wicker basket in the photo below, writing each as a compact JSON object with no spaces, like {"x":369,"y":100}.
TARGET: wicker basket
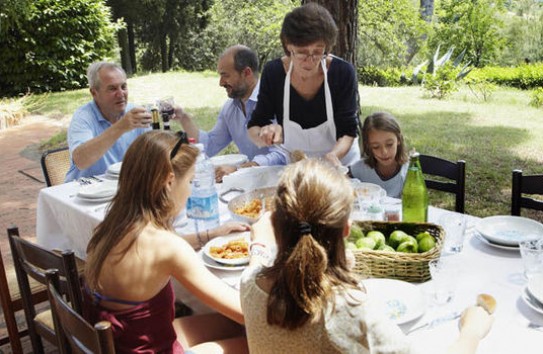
{"x":412,"y":267}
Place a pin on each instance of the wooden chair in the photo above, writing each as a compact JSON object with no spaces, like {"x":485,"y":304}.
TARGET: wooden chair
{"x":75,"y":334}
{"x":532,"y":184}
{"x":55,"y":164}
{"x":31,"y":261}
{"x":435,"y":166}
{"x":12,"y":302}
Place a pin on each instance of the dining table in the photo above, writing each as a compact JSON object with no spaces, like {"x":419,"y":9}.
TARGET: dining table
{"x":65,"y":221}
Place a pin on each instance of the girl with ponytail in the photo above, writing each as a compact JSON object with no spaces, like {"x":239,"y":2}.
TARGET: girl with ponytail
{"x":307,"y":300}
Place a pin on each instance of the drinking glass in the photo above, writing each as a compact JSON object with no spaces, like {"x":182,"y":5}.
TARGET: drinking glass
{"x":444,"y":272}
{"x":455,"y":230}
{"x":166,"y":105}
{"x":531,"y":251}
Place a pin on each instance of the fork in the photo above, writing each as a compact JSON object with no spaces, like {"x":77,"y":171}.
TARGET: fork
{"x":84,"y":181}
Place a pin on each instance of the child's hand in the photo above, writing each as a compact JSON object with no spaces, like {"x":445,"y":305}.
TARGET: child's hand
{"x":228,"y":228}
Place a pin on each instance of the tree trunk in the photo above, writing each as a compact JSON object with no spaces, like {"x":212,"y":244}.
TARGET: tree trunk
{"x":132,"y":45}
{"x":427,"y":10}
{"x":164,"y":53}
{"x":122,"y":37}
{"x":345,"y":13}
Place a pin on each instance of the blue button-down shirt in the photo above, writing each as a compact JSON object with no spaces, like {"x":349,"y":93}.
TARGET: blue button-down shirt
{"x":232,"y":126}
{"x":88,"y":123}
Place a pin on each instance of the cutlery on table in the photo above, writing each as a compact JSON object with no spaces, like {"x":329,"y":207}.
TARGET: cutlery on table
{"x":436,"y":322}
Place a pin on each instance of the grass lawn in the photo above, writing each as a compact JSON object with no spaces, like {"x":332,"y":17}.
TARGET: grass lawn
{"x":493,"y":137}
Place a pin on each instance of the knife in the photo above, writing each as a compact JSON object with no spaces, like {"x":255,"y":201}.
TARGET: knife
{"x":436,"y":322}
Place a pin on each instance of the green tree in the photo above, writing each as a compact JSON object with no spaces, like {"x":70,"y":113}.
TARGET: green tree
{"x":12,"y":12}
{"x":386,"y":30}
{"x":255,"y":23}
{"x":474,"y":25}
{"x":52,"y":47}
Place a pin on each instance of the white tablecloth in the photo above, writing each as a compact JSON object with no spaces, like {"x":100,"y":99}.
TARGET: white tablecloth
{"x":65,"y":222}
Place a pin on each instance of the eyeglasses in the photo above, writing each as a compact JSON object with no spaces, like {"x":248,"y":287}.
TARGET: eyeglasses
{"x":304,"y":56}
{"x":183,"y":139}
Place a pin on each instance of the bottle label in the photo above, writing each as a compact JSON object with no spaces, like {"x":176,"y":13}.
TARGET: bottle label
{"x":203,"y":208}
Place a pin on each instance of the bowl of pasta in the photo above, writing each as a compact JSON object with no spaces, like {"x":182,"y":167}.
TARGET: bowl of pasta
{"x":229,"y":250}
{"x":249,"y":206}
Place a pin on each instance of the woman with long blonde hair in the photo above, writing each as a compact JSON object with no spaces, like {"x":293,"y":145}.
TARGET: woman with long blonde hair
{"x":308,"y":301}
{"x":134,"y":253}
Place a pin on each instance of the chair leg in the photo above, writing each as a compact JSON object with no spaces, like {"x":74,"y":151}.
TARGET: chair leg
{"x":9,"y":316}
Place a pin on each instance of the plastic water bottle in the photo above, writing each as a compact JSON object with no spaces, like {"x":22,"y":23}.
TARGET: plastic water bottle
{"x":203,"y":203}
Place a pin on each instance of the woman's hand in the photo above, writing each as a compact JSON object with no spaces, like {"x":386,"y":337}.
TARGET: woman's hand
{"x":228,"y":228}
{"x":266,"y":135}
{"x":332,"y":158}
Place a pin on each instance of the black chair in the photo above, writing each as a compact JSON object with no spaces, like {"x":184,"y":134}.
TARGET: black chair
{"x":74,"y":333}
{"x":31,"y":261}
{"x":532,"y":184}
{"x":455,"y":171}
{"x":55,"y":164}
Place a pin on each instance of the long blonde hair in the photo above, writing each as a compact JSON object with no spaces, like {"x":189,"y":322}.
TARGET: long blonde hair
{"x":142,"y":196}
{"x":311,"y":209}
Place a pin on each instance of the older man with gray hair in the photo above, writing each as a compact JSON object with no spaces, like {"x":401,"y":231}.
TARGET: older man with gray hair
{"x":101,"y":130}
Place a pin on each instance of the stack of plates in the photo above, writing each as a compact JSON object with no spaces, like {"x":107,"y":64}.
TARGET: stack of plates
{"x":506,"y":231}
{"x":113,"y":171}
{"x":98,"y":192}
{"x":532,"y":294}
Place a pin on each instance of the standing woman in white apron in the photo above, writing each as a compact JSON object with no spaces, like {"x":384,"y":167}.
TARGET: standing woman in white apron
{"x":311,"y":94}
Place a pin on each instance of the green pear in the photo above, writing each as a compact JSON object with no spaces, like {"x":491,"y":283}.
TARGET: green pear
{"x":365,"y":243}
{"x":408,"y":246}
{"x":356,"y":233}
{"x":395,"y":238}
{"x":378,"y":237}
{"x":426,"y":244}
{"x":421,"y":235}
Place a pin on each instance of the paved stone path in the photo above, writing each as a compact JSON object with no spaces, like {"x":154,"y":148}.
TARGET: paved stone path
{"x":21,"y":179}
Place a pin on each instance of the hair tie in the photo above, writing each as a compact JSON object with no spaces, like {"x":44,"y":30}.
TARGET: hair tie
{"x":304,"y":228}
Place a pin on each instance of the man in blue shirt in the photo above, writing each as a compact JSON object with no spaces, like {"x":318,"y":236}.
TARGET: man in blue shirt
{"x":238,"y":70}
{"x":101,"y":131}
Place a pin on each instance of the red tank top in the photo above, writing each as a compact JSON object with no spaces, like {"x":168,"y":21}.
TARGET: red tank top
{"x":145,"y":328}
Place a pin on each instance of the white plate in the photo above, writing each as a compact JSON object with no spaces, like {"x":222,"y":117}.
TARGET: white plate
{"x":223,"y":240}
{"x":114,"y":169}
{"x":97,"y":200}
{"x":535,"y":286}
{"x":507,"y":229}
{"x":495,"y":245}
{"x":98,"y":190}
{"x":216,"y":265}
{"x":530,"y":302}
{"x":401,"y":301}
{"x":231,"y":159}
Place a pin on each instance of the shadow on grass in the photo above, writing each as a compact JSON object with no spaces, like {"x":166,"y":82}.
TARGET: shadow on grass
{"x":488,"y":152}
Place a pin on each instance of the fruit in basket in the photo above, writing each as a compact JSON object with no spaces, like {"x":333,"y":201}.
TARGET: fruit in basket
{"x":396,"y":237}
{"x":426,"y":243}
{"x":365,"y":243}
{"x":356,"y":233}
{"x":408,"y":246}
{"x":350,"y":245}
{"x":422,"y":235}
{"x":386,"y":248}
{"x":378,"y":237}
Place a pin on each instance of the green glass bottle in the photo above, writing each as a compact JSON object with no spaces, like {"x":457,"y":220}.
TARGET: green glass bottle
{"x":415,"y":194}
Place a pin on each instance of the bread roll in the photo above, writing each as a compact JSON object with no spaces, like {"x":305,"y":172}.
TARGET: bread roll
{"x":487,"y":302}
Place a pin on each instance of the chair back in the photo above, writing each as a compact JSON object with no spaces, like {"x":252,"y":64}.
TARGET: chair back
{"x":30,"y":262}
{"x":453,"y":171}
{"x":75,"y":334}
{"x":532,"y":184}
{"x":55,"y":164}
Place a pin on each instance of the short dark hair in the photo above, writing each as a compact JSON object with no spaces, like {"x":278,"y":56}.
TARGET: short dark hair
{"x":245,"y":57}
{"x":308,"y":24}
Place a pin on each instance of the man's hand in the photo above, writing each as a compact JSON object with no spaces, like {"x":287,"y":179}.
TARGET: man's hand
{"x":222,"y":171}
{"x":135,"y":118}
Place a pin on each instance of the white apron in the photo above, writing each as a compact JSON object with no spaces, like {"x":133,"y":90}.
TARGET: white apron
{"x":319,"y":140}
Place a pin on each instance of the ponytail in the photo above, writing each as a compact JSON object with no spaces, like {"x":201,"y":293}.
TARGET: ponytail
{"x":301,"y":288}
